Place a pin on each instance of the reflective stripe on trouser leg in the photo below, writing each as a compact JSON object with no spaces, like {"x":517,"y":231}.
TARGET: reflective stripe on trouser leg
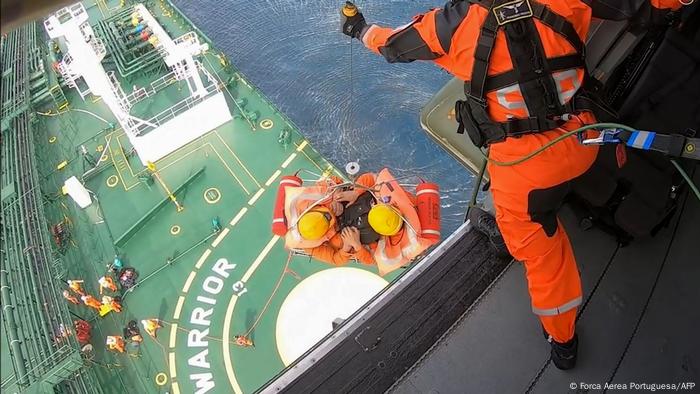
{"x":559,"y":309}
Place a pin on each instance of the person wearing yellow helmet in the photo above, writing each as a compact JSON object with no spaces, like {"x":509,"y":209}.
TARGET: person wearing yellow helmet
{"x":314,"y":224}
{"x":385,"y":219}
{"x":345,"y":244}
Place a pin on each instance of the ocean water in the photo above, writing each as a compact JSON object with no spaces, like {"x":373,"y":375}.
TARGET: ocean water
{"x":364,"y":110}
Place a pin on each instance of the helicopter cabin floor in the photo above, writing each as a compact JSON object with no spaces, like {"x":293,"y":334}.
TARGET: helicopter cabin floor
{"x":205,"y":285}
{"x":637,"y":325}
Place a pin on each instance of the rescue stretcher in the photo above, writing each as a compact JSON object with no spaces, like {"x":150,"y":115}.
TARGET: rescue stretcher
{"x":420,"y":212}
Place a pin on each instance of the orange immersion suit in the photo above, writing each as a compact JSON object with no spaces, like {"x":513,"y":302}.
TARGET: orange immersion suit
{"x":527,"y":195}
{"x":332,"y":251}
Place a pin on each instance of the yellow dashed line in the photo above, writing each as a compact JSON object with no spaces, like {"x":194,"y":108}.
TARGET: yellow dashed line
{"x":260,"y":258}
{"x":238,"y":216}
{"x":188,"y":283}
{"x":175,"y":387}
{"x":289,"y":160}
{"x":256,"y":196}
{"x":178,"y":307}
{"x":171,"y":362}
{"x":173,"y":334}
{"x":302,"y":146}
{"x":203,"y":258}
{"x":221,"y":236}
{"x":273,"y":177}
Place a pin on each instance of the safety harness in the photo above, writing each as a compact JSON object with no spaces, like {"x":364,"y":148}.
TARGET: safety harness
{"x":355,"y":215}
{"x":532,"y":72}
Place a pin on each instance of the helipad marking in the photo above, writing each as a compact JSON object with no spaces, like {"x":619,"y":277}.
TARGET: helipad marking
{"x":221,"y":236}
{"x":171,"y":363}
{"x":273,"y":177}
{"x":227,"y":347}
{"x":178,"y":307}
{"x":289,"y":160}
{"x":238,"y":216}
{"x":188,"y":282}
{"x":260,"y":258}
{"x":302,"y":146}
{"x":256,"y":196}
{"x":202,"y":258}
{"x":173,"y":335}
{"x":229,"y":314}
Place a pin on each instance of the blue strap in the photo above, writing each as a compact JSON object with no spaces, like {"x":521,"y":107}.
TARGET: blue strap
{"x":641,"y":139}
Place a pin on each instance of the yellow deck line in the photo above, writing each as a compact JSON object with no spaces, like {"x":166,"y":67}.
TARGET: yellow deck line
{"x":256,"y":196}
{"x":178,"y":307}
{"x":188,"y":282}
{"x":230,"y":170}
{"x":229,"y":317}
{"x":238,"y":216}
{"x":273,"y":177}
{"x":173,"y":335}
{"x":202,"y":258}
{"x":289,"y":160}
{"x":227,"y":346}
{"x":237,"y":159}
{"x":171,"y":363}
{"x":220,"y":238}
{"x":260,"y":258}
{"x":161,"y":168}
{"x":114,"y":163}
{"x":175,"y":387}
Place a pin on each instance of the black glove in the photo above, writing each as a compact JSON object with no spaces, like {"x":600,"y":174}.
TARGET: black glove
{"x":352,"y":20}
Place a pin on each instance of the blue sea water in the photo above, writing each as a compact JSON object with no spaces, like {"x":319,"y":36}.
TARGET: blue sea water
{"x":366,"y":110}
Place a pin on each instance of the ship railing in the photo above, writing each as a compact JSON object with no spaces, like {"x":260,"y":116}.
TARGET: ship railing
{"x":175,"y":110}
{"x":116,"y":87}
{"x":39,"y":366}
{"x":98,"y":46}
{"x":159,"y":84}
{"x":210,"y":78}
{"x":189,"y":38}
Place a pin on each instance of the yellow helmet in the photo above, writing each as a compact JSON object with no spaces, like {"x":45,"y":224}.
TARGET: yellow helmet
{"x":313,"y":225}
{"x":384,"y":219}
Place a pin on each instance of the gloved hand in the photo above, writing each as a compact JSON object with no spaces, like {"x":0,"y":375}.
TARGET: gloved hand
{"x":352,"y":20}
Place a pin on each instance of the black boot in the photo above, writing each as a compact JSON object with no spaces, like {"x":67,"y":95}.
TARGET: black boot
{"x":485,"y":223}
{"x":564,"y":354}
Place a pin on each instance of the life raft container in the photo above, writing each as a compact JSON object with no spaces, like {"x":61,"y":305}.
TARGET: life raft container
{"x":279,"y":221}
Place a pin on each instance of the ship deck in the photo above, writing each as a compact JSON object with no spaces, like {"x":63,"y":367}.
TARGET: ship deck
{"x":205,"y":286}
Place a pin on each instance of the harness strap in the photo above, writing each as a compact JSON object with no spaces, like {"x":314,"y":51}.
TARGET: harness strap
{"x":508,"y":78}
{"x":482,"y":53}
{"x":559,"y":24}
{"x":676,"y":145}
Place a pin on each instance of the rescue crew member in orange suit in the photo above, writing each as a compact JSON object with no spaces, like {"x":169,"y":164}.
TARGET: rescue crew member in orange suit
{"x":70,"y":298}
{"x":151,"y":326}
{"x":91,"y":301}
{"x":522,"y":63}
{"x":345,"y":244}
{"x":115,"y":343}
{"x":106,"y":282}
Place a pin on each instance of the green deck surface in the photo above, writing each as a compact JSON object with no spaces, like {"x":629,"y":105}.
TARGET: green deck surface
{"x":243,"y":164}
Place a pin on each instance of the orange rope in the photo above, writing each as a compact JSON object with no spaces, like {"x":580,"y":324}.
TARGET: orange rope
{"x":269,"y":300}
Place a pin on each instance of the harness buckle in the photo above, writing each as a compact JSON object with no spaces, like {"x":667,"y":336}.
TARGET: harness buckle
{"x":512,"y":11}
{"x":607,"y":136}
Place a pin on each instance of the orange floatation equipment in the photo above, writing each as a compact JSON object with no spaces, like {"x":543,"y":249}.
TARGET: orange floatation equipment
{"x":421,"y":228}
{"x":428,"y":207}
{"x":300,"y":200}
{"x":279,"y":221}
